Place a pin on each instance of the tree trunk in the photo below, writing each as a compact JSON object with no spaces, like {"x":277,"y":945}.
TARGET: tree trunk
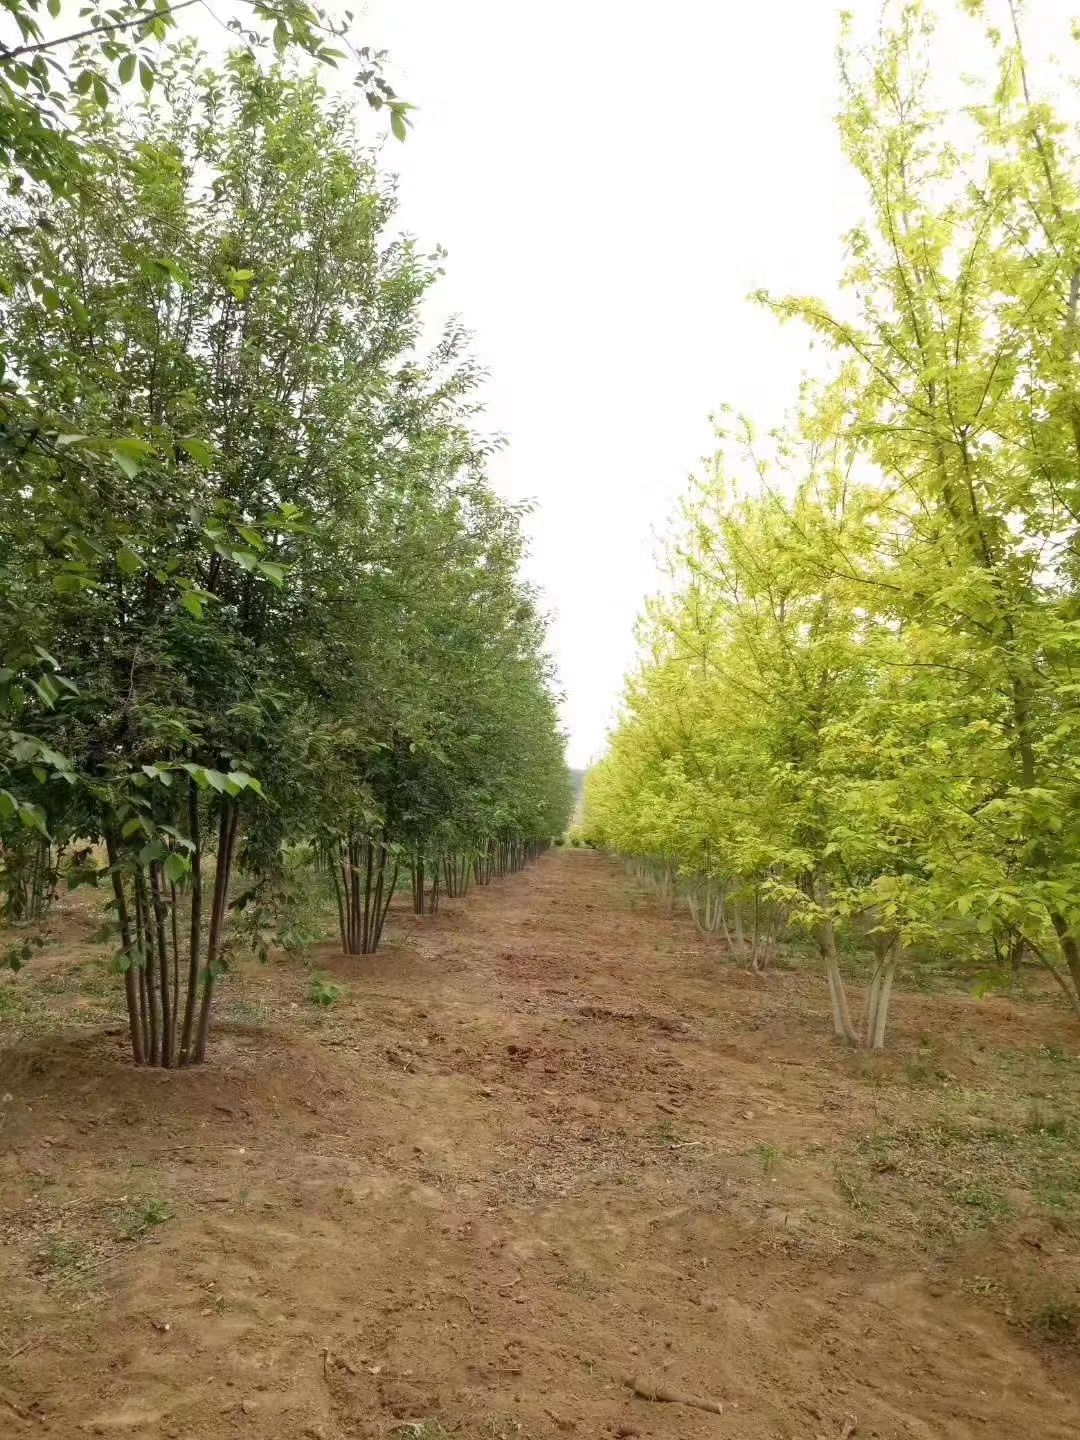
{"x":135,"y":1030}
{"x":1070,"y":949}
{"x":195,"y":930}
{"x":875,"y":1028}
{"x":222,"y":871}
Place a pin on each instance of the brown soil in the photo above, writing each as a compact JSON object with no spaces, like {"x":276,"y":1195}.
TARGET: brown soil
{"x":550,"y":1142}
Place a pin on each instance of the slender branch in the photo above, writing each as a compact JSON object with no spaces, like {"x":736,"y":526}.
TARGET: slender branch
{"x":144,"y":19}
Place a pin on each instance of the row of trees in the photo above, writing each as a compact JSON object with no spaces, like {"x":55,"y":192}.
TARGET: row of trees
{"x":857,"y":709}
{"x":255,"y":591}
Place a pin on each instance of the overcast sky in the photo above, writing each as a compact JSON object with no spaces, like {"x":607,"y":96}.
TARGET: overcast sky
{"x":611,"y":179}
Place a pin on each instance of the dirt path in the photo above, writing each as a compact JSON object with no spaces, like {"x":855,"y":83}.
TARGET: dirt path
{"x":549,"y":1143}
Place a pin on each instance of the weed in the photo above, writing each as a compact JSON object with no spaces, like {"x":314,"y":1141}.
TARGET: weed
{"x":984,"y":1286}
{"x":1051,"y":1127}
{"x":769,"y":1155}
{"x":12,"y":1003}
{"x":988,"y":1202}
{"x":1058,"y":1320}
{"x":62,"y":1255}
{"x":1056,"y":1054}
{"x":422,"y":1430}
{"x":925,"y":1068}
{"x":1060,"y":1190}
{"x":247,"y":1012}
{"x":138,"y":1219}
{"x":667,"y":1134}
{"x":324,"y":993}
{"x":854,"y":1192}
{"x":870,"y":1072}
{"x":22,"y":951}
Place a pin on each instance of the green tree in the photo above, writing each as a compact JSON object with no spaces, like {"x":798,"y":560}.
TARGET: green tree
{"x":884,"y":635}
{"x":259,"y":587}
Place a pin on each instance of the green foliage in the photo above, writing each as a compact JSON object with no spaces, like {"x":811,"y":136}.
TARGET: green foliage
{"x":250,"y":515}
{"x":855,"y":712}
{"x":324,"y":993}
{"x":1058,"y":1320}
{"x":65,"y":1257}
{"x":55,"y":75}
{"x":138,"y":1219}
{"x":770,"y":1157}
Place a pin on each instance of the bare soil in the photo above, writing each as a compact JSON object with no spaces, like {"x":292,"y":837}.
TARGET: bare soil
{"x":549,"y":1143}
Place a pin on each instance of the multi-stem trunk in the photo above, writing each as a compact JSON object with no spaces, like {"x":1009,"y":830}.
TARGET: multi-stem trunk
{"x":826,"y":940}
{"x":365,"y":874}
{"x":161,"y":982}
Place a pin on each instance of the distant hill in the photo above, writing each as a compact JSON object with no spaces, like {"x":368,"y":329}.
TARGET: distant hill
{"x":578,"y":779}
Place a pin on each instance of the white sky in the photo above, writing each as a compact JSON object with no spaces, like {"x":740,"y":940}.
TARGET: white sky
{"x":610,"y":179}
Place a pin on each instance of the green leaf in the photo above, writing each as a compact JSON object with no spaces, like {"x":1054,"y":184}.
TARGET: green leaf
{"x":146,"y":75}
{"x":46,"y":691}
{"x":125,"y":463}
{"x":274,"y":572}
{"x":176,"y":867}
{"x":32,"y":817}
{"x":199,"y":450}
{"x":129,"y":453}
{"x":192,"y":604}
{"x":67,"y":583}
{"x":128,"y":562}
{"x":126,"y":68}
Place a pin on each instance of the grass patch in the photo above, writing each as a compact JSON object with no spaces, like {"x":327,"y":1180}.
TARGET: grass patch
{"x":986,"y":1203}
{"x":957,"y":1172}
{"x":1058,"y":1321}
{"x":66,"y":1263}
{"x":250,"y":1014}
{"x":63,"y":1255}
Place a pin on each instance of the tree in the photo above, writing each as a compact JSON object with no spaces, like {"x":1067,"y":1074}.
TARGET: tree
{"x":255,"y":585}
{"x":888,"y":662}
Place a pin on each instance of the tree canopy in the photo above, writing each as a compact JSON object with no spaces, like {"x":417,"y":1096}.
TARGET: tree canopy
{"x":856,"y":705}
{"x":255,"y":590}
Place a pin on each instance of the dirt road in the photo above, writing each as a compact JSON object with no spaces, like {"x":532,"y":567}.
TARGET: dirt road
{"x":550,"y":1142}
